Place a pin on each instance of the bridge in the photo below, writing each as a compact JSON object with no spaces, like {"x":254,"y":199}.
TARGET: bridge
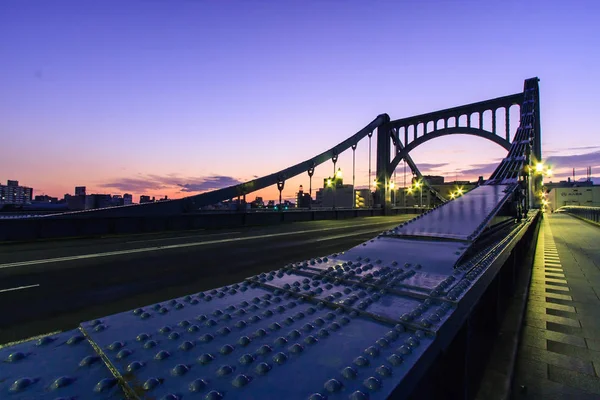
{"x":409,"y":312}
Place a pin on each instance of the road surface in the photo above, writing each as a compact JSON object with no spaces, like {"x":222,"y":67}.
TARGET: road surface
{"x":53,"y":285}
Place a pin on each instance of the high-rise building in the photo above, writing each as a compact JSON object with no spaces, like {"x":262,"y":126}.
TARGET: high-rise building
{"x":144,"y":199}
{"x":303,"y":200}
{"x":80,"y":191}
{"x":127,"y":199}
{"x":12,"y":193}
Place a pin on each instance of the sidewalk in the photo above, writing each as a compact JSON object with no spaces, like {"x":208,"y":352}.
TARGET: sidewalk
{"x":559,"y":353}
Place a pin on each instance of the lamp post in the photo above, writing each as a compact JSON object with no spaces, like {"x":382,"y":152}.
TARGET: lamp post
{"x":418,"y":186}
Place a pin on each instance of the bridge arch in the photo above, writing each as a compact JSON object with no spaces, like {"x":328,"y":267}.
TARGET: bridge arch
{"x":444,"y":132}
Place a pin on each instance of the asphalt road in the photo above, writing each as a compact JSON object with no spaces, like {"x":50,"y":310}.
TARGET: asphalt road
{"x":54,"y":285}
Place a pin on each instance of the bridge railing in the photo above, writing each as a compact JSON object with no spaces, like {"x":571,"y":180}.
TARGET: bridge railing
{"x":591,"y":214}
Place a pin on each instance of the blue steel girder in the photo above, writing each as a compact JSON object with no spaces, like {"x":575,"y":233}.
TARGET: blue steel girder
{"x":403,"y":154}
{"x":193,"y":203}
{"x":415,"y":169}
{"x":456,"y":112}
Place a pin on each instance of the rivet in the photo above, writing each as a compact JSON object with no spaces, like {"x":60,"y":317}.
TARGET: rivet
{"x":280,"y":358}
{"x":193,"y":328}
{"x":317,"y":396}
{"x":384,"y":371}
{"x":75,"y":339}
{"x":296,"y":348}
{"x":358,"y":395}
{"x":207,"y":337}
{"x":21,"y":384}
{"x":150,"y":344}
{"x":225,"y":370}
{"x":372,"y":383}
{"x":264,"y":349}
{"x":323,"y":333}
{"x":46,"y":340}
{"x":134,"y":366}
{"x":224,"y":331}
{"x":124,"y":354}
{"x":262,"y":368}
{"x":404,"y":349}
{"x":197,"y":385}
{"x":395,"y":359}
{"x":260,"y":333}
{"x":162,"y":355}
{"x":213,"y":395}
{"x":372,"y":351}
{"x":240,"y":380}
{"x":105,"y":384}
{"x":241,"y":324}
{"x":210,"y":322}
{"x":333,"y":385}
{"x":174,"y":336}
{"x":62,"y":382}
{"x":165,"y":329}
{"x":170,"y":396}
{"x":88,"y":360}
{"x":163,"y":310}
{"x":349,"y":373}
{"x":246,"y":359}
{"x":151,"y":384}
{"x":294,"y":334}
{"x":280,"y":341}
{"x":145,"y":315}
{"x":226,"y":349}
{"x":205,"y":358}
{"x":361,"y":361}
{"x":16,"y":356}
{"x":180,"y":370}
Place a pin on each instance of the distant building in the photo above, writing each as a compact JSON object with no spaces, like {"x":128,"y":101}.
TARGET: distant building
{"x":127,"y":199}
{"x":45,"y":199}
{"x":572,"y":193}
{"x":12,"y":193}
{"x":257,"y":203}
{"x":334,"y":193}
{"x":303,"y":200}
{"x":117,"y":200}
{"x":434,"y":179}
{"x":146,"y":199}
{"x":80,"y":191}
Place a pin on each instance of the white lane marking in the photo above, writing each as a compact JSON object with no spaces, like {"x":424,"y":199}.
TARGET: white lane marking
{"x":183,"y":237}
{"x":18,"y":288}
{"x":169,"y":247}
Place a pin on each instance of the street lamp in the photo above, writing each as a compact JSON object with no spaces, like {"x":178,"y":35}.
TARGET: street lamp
{"x":418,"y":186}
{"x":539,"y":167}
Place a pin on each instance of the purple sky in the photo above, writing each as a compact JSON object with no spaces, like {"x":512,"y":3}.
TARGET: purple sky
{"x":156,"y":97}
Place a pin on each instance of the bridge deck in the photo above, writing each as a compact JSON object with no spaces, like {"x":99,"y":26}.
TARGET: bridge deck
{"x":559,"y":355}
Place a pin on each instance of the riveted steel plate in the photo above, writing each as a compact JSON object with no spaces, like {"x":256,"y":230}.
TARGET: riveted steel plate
{"x":431,"y":256}
{"x":461,"y":219}
{"x":57,"y":366}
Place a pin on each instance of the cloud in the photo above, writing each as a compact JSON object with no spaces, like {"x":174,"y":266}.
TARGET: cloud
{"x":427,"y":166}
{"x":484,"y":170}
{"x":136,"y":185}
{"x":149,"y":183}
{"x":209,"y":183}
{"x":575,"y":160}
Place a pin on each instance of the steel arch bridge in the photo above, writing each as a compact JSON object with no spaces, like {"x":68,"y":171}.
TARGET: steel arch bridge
{"x":401,"y":135}
{"x":373,"y":322}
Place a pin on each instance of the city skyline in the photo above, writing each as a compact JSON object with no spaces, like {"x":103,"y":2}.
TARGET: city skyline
{"x":164,"y":99}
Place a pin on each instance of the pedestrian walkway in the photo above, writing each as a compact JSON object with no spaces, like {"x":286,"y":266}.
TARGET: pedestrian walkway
{"x":559,"y":353}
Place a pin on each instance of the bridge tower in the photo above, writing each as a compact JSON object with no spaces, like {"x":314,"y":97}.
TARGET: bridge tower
{"x":537,"y":181}
{"x":382,"y":181}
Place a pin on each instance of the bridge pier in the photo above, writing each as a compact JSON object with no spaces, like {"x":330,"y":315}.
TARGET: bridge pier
{"x":382,"y":188}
